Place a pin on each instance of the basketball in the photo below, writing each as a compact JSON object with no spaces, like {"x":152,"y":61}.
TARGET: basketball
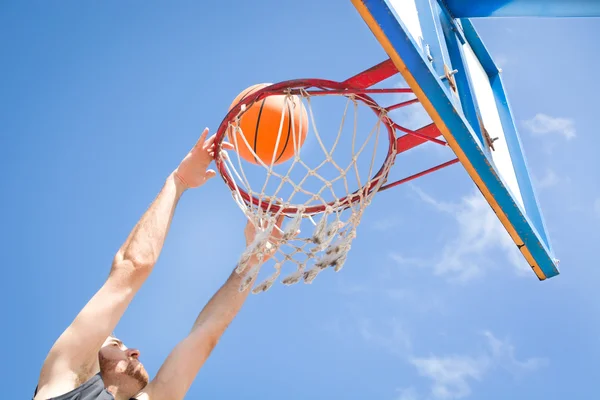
{"x":260,"y":125}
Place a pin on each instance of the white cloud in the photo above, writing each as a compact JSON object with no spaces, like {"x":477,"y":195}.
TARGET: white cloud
{"x":543,"y":124}
{"x":452,"y":376}
{"x":405,"y":261}
{"x":550,"y":179}
{"x":479,"y":234}
{"x":438,"y":205}
{"x":396,"y":341}
{"x":503,"y":354}
{"x":413,"y":116}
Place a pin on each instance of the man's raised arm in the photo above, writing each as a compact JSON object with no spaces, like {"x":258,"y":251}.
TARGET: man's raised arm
{"x":73,"y":359}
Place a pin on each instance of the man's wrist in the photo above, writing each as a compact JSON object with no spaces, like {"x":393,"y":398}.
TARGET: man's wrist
{"x":180,"y":185}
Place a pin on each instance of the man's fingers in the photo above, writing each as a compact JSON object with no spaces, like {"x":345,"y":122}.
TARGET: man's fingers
{"x":227,"y":146}
{"x":210,"y":174}
{"x":205,"y":143}
{"x":280,"y":219}
{"x":209,"y":142}
{"x":277,"y":232}
{"x":224,"y":145}
{"x":202,"y":138}
{"x":224,"y":155}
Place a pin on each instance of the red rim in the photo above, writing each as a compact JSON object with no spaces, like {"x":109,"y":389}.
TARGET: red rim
{"x":320,"y":87}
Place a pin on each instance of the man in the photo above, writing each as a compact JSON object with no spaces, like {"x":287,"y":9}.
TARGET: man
{"x":88,"y":363}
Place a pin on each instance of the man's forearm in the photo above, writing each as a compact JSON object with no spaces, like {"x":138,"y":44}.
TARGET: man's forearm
{"x":177,"y":373}
{"x":222,"y":308}
{"x":146,"y":240}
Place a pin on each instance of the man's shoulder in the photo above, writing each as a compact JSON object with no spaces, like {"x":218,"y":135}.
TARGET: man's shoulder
{"x":92,"y":389}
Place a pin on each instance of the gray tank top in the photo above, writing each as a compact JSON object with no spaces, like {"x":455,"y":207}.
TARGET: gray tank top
{"x":93,"y":389}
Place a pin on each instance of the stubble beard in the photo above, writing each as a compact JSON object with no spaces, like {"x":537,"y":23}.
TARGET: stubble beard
{"x":131,"y":375}
{"x":136,"y":371}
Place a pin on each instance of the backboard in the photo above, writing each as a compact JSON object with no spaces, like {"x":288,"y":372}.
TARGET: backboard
{"x":449,"y":69}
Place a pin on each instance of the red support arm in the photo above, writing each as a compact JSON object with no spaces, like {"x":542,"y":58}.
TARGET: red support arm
{"x":408,"y":141}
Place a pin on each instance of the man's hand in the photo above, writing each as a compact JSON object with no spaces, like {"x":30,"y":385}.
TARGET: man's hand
{"x":193,"y":170}
{"x":272,"y":244}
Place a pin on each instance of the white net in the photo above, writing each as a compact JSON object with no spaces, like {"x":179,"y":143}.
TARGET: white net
{"x":322,"y":190}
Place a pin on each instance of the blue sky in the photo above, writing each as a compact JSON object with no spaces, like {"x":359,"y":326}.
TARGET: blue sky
{"x":101,"y":100}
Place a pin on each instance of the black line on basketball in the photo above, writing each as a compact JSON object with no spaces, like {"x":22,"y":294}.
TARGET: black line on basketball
{"x":287,"y":139}
{"x":256,"y":131}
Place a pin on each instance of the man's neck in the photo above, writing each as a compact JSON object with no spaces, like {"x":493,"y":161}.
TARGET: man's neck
{"x":118,"y":393}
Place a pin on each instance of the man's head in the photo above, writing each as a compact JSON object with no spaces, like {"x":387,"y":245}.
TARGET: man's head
{"x":120,"y":367}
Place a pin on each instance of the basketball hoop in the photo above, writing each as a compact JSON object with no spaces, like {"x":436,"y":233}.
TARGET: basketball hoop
{"x":330,"y":195}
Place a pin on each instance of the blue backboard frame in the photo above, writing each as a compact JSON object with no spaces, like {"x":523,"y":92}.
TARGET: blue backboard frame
{"x":457,"y":116}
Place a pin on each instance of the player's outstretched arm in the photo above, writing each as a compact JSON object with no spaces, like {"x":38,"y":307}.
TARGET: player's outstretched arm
{"x":73,"y":359}
{"x":179,"y":370}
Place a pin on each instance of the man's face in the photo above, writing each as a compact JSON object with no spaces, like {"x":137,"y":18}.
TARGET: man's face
{"x":120,"y":366}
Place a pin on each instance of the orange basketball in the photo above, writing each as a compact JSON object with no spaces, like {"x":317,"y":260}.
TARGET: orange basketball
{"x":260,"y":126}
